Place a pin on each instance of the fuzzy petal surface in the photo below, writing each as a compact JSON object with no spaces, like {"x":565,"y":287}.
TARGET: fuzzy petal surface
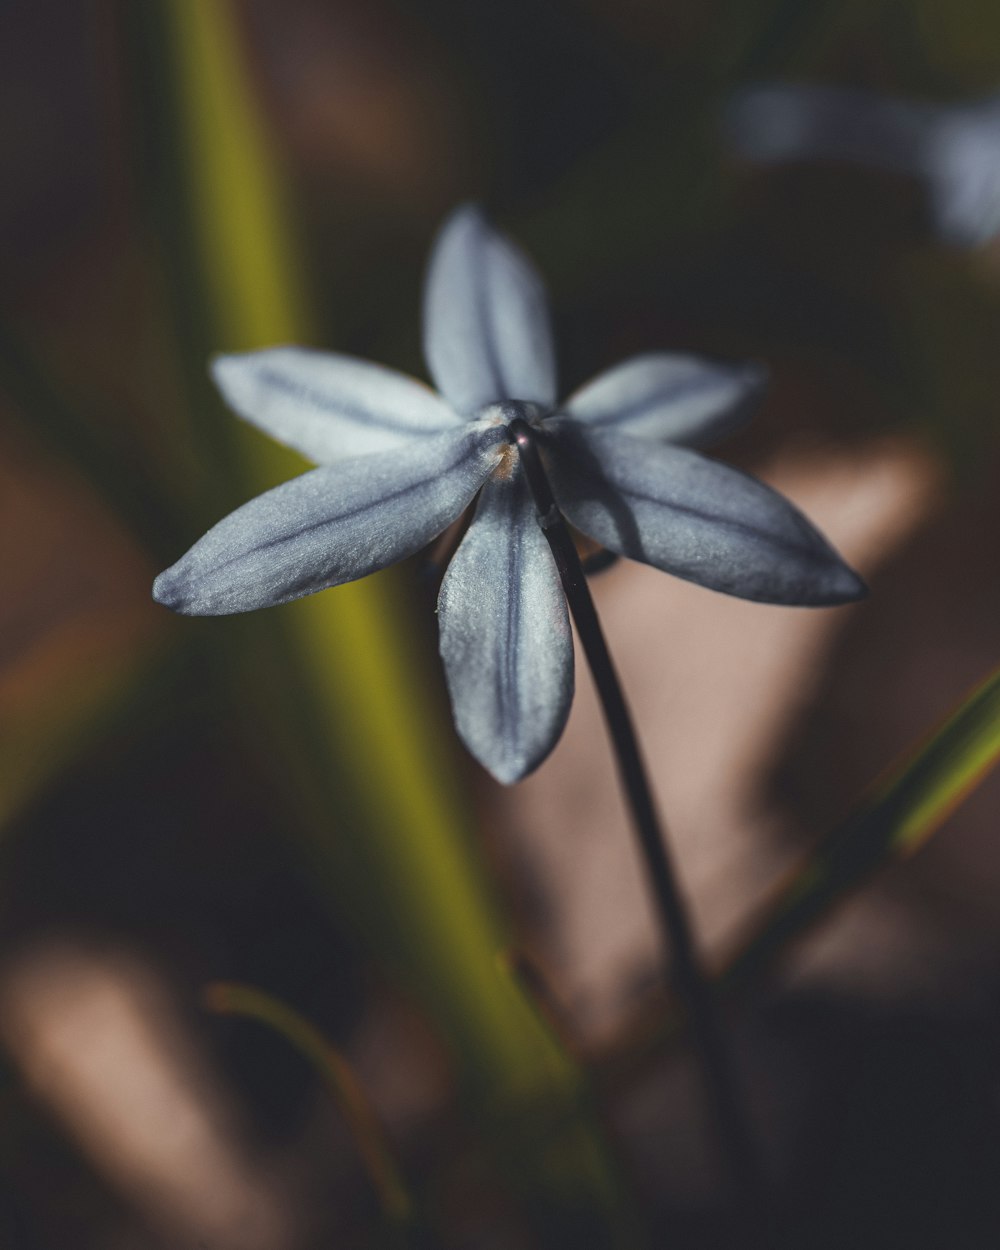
{"x":693,"y":517}
{"x":331,"y":525}
{"x":677,"y":399}
{"x":487,"y":335}
{"x":505,"y":635}
{"x":326,"y":406}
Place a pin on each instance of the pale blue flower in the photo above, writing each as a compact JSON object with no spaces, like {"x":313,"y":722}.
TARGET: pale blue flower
{"x":952,"y":150}
{"x":400,"y":463}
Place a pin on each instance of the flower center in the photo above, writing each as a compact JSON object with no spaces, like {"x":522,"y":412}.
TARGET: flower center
{"x":508,"y":410}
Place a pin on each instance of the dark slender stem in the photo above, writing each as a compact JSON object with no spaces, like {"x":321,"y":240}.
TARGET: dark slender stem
{"x":691,"y":983}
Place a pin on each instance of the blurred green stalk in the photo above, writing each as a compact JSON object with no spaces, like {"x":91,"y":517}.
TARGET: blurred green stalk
{"x":901,"y":812}
{"x":394,"y":845}
{"x":898,"y":814}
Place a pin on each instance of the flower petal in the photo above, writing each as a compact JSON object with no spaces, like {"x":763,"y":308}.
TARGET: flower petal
{"x":328,"y":407}
{"x":331,"y":525}
{"x":951,"y":149}
{"x":505,"y":635}
{"x":487,"y":335}
{"x":679,"y":399}
{"x":964,"y":174}
{"x":696,"y":518}
{"x":773,"y":123}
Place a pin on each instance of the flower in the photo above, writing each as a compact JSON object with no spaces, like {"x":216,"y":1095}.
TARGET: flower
{"x":399,"y":463}
{"x":954,"y":150}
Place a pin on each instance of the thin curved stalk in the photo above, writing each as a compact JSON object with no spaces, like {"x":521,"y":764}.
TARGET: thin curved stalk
{"x":231,"y":999}
{"x":692,"y":985}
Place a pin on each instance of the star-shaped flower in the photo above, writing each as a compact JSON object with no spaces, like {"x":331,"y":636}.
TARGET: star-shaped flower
{"x":952,"y":149}
{"x":400,"y":463}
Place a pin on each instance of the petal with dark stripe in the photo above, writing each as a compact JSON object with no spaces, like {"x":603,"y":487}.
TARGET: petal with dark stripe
{"x":505,"y":635}
{"x":329,"y":407}
{"x":701,"y":520}
{"x":487,"y":335}
{"x":678,"y":399}
{"x":331,"y":525}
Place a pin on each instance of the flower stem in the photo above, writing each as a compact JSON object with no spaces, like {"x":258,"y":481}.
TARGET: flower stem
{"x":691,"y":983}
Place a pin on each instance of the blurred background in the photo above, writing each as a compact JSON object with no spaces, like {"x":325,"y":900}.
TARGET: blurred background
{"x":280,"y":801}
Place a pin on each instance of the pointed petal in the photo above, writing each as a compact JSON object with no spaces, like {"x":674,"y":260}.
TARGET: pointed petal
{"x":487,"y":336}
{"x":331,"y":525}
{"x":677,"y":399}
{"x":329,"y":407}
{"x":505,"y":635}
{"x":696,"y":518}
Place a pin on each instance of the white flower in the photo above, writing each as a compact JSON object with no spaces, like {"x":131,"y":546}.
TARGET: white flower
{"x":953,"y":150}
{"x":400,"y":463}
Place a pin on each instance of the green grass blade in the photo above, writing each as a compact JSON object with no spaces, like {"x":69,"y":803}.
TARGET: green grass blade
{"x":352,"y":642}
{"x":901,"y":812}
{"x":396,"y":842}
{"x":229,"y":998}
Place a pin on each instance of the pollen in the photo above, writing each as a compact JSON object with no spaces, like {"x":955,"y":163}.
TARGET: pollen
{"x":505,"y":464}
